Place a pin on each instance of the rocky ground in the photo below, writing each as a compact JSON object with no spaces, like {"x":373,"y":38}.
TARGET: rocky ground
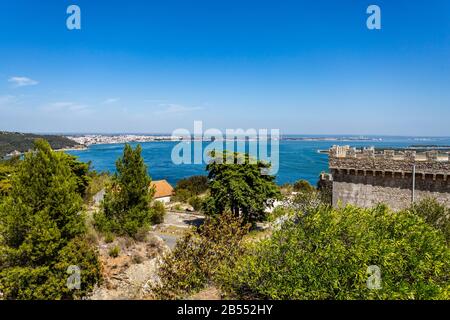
{"x":131,"y":273}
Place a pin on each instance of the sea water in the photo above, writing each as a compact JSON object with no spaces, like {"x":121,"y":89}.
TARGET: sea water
{"x":298,"y":159}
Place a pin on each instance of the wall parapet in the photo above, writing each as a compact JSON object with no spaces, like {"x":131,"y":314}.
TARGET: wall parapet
{"x":404,"y":161}
{"x":368,"y":153}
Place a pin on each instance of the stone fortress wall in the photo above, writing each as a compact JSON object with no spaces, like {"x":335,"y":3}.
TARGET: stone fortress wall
{"x":365,"y":177}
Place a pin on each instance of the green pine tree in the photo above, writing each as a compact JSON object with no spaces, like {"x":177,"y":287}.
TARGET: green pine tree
{"x":82,"y":173}
{"x":127,"y":202}
{"x":41,"y":231}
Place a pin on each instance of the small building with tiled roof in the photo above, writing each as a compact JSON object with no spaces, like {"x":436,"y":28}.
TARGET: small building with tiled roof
{"x":163,"y":190}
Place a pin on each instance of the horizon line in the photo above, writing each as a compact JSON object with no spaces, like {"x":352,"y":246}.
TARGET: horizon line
{"x":281,"y":135}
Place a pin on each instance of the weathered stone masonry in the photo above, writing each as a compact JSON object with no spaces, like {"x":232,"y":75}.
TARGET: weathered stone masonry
{"x":366,"y":177}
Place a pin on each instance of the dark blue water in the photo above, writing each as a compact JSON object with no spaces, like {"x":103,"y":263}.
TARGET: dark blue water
{"x":298,"y":159}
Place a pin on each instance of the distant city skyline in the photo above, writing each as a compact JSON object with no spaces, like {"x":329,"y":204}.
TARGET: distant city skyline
{"x":302,"y":67}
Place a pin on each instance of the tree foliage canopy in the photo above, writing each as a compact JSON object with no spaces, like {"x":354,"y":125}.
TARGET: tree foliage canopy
{"x":241,"y":185}
{"x":194,"y":185}
{"x":326,"y":255}
{"x":7,"y":168}
{"x":22,"y":142}
{"x":42,"y":229}
{"x":434,"y":213}
{"x":81,"y":171}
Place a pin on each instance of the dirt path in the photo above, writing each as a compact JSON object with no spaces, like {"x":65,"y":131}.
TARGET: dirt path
{"x":175,"y":225}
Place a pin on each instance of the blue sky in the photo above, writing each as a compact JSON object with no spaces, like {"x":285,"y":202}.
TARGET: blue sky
{"x":308,"y":67}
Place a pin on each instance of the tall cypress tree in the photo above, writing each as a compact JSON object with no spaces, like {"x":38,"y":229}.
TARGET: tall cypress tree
{"x":41,"y":231}
{"x":127,"y":202}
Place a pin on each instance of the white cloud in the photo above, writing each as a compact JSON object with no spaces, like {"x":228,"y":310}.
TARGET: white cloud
{"x":111,"y":100}
{"x":172,"y":108}
{"x":22,"y":81}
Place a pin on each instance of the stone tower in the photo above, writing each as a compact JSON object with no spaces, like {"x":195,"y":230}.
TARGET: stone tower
{"x":364,"y":177}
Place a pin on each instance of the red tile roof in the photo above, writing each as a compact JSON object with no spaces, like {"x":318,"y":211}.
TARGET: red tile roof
{"x":162,"y":189}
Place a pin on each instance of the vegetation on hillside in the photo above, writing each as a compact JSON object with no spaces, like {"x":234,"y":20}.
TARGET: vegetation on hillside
{"x":303,"y":186}
{"x":42,"y":231}
{"x":158,"y":212}
{"x":191,"y":190}
{"x":7,"y":168}
{"x":434,"y":213}
{"x":81,"y":171}
{"x":337,"y":254}
{"x":22,"y":142}
{"x":199,"y":255}
{"x":315,"y":251}
{"x":310,"y":250}
{"x":190,"y":187}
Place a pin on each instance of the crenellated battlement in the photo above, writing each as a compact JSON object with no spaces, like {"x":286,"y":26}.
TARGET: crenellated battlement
{"x":404,"y":155}
{"x":367,"y":176}
{"x":405,"y":161}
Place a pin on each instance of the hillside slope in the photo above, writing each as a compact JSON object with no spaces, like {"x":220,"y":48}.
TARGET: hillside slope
{"x":22,"y":142}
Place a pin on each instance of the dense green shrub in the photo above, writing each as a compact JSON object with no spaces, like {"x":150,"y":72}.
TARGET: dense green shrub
{"x":195,"y":185}
{"x":42,"y":231}
{"x":158,"y":212}
{"x":49,"y":280}
{"x":434,"y":213}
{"x":326,"y":255}
{"x":126,"y":206}
{"x":7,"y":168}
{"x":303,"y":186}
{"x":81,"y":172}
{"x":181,"y":195}
{"x":198,"y":256}
{"x":196,"y":203}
